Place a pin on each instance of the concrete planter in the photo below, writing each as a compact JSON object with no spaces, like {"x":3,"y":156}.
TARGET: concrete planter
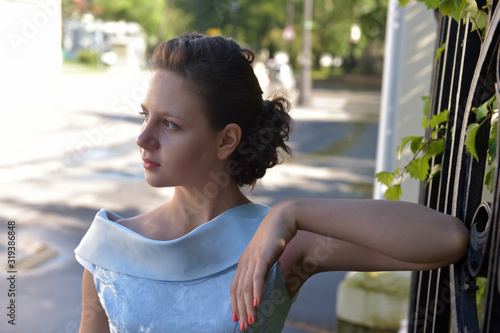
{"x":369,"y":302}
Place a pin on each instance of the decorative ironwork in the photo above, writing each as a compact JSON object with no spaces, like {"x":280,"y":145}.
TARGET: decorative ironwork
{"x":466,"y":76}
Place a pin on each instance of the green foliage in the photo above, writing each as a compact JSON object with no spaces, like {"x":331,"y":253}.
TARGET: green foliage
{"x":434,"y":147}
{"x":394,"y":192}
{"x":418,"y":168}
{"x":256,"y":24}
{"x":436,"y":169}
{"x":386,"y":178}
{"x":86,"y":56}
{"x":484,"y":112}
{"x":439,"y":118}
{"x":470,"y":11}
{"x":405,"y":141}
{"x":426,"y":110}
{"x":423,"y":151}
{"x":148,"y":13}
{"x":439,"y":51}
{"x":470,"y":140}
{"x":492,"y":142}
{"x":458,"y":9}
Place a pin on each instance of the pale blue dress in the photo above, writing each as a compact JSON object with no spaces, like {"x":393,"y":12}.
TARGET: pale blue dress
{"x":181,"y":285}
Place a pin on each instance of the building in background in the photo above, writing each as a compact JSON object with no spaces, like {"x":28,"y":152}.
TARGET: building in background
{"x":116,"y":44}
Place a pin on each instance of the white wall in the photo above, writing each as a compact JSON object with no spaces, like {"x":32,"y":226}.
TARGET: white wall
{"x":419,"y":54}
{"x":409,"y":56}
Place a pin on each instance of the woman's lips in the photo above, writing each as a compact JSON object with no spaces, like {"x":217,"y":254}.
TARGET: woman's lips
{"x":149,"y":164}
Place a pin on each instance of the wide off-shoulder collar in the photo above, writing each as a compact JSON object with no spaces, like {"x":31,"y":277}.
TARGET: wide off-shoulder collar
{"x":211,"y":248}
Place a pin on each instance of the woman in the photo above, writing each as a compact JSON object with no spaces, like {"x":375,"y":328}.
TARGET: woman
{"x":209,"y":260}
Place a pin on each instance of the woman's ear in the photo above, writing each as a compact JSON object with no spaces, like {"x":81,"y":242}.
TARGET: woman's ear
{"x":229,"y":138}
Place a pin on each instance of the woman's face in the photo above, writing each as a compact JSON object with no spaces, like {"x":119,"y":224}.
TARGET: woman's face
{"x":177,"y":145}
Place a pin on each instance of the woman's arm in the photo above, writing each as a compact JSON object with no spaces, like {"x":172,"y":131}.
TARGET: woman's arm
{"x":94,"y":318}
{"x":324,"y":234}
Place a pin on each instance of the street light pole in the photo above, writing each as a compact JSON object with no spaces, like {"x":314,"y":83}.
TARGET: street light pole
{"x":305,"y":89}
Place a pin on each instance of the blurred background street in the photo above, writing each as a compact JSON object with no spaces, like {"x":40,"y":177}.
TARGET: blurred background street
{"x":69,"y":149}
{"x":72,"y":77}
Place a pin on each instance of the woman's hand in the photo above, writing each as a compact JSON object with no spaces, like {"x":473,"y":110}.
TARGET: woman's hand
{"x":265,"y":248}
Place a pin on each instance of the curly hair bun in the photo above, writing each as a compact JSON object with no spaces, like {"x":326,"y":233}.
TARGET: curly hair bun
{"x":263,"y":136}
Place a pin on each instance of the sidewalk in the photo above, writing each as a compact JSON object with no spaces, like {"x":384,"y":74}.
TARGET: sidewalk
{"x":69,"y":149}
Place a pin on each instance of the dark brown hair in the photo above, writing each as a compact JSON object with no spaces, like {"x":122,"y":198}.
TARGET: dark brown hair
{"x":221,"y":74}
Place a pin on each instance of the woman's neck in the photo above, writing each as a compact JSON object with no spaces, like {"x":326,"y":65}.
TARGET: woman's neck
{"x":198,"y":205}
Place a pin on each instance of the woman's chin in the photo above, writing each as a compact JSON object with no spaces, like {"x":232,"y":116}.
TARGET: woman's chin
{"x":156,"y":182}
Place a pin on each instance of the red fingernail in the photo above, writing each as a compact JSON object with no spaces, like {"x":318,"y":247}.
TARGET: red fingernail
{"x":250,"y":320}
{"x":255,"y":302}
{"x":235,"y":317}
{"x":242,"y":326}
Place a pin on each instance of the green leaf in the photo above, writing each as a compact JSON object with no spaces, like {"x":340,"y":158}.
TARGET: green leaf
{"x":419,"y":168}
{"x":452,"y":8}
{"x":385,"y":178}
{"x":431,"y":4}
{"x":435,"y":170}
{"x":434,"y":147}
{"x":470,"y":10}
{"x":481,"y":20}
{"x":403,"y":3}
{"x":482,"y":111}
{"x":426,"y":107}
{"x":489,"y":178}
{"x":394,"y":192}
{"x":439,"y":118}
{"x":435,"y":133}
{"x":492,"y":142}
{"x":439,"y":51}
{"x":470,"y":140}
{"x":416,"y":144}
{"x":404,"y":142}
{"x":396,"y":172}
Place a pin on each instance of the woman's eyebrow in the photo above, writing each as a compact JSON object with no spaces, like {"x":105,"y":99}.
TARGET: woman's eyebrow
{"x":162,"y":113}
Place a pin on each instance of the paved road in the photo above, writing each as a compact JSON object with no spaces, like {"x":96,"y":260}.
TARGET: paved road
{"x":68,"y":150}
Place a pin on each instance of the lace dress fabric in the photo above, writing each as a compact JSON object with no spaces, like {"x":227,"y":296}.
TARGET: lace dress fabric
{"x":146,"y":298}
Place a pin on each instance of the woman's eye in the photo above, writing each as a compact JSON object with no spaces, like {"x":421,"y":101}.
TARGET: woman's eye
{"x":144,"y":115}
{"x":169,"y":124}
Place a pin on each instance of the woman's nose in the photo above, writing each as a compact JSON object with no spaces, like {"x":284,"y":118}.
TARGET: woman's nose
{"x":146,"y":138}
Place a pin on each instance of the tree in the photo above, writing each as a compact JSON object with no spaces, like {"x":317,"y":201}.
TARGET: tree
{"x":254,"y":23}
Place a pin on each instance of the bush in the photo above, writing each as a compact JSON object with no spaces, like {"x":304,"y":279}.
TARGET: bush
{"x":86,"y":56}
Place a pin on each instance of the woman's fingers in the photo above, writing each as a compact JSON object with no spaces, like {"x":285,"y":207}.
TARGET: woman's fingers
{"x":247,"y":292}
{"x":234,"y":302}
{"x":259,"y":279}
{"x":238,"y":298}
{"x":243,"y":289}
{"x":248,"y":296}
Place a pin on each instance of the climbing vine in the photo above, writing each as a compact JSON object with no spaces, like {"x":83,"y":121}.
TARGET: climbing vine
{"x":424,"y":149}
